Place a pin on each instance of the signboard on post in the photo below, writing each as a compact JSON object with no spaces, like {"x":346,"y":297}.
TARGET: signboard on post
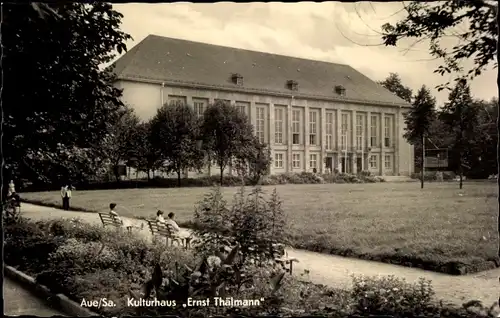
{"x":436,"y":158}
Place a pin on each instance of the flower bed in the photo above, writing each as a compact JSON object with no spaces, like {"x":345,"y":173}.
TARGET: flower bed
{"x":91,"y":263}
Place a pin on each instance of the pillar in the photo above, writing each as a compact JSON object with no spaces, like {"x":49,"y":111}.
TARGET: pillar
{"x":338,"y":117}
{"x":270,"y":131}
{"x":306,"y":137}
{"x":322,"y":134}
{"x":382,"y":143}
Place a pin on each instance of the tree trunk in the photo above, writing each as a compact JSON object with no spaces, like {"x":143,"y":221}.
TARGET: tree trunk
{"x":179,"y":178}
{"x":116,"y":173}
{"x":461,"y":172}
{"x":498,"y":130}
{"x":221,"y":175}
{"x":147,"y":171}
{"x":422,"y":168}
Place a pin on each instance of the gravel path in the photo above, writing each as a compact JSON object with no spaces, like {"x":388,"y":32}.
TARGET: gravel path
{"x":336,"y":271}
{"x":18,"y":301}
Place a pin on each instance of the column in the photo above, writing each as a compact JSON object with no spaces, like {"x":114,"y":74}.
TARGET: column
{"x":253,"y":115}
{"x":353,"y":142}
{"x":396,"y":142}
{"x":288,"y":131}
{"x":338,"y":117}
{"x":306,"y":138}
{"x":322,"y":131}
{"x":270,"y":130}
{"x":382,"y":143}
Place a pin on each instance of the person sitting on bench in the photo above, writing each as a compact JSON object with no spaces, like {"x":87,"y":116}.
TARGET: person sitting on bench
{"x":117,"y":218}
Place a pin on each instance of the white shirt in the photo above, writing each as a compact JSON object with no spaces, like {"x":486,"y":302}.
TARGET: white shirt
{"x":65,"y":191}
{"x":173,"y":224}
{"x":160,"y":219}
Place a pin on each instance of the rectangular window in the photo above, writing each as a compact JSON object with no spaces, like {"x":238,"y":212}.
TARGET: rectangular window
{"x":313,"y":127}
{"x":313,"y":161}
{"x":373,"y":162}
{"x":243,"y":107}
{"x":373,"y":131}
{"x":260,"y":123}
{"x":199,"y":106}
{"x":344,"y":128}
{"x":296,"y":161}
{"x":359,"y":132}
{"x":278,"y":160}
{"x":296,"y":127}
{"x":388,"y":162}
{"x":387,"y":131}
{"x":177,"y":99}
{"x":279,"y":115}
{"x":329,"y":131}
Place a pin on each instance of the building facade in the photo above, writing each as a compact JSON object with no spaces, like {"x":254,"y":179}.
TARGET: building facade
{"x":305,"y":128}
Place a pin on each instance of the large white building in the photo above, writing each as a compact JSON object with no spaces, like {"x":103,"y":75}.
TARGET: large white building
{"x":313,"y":114}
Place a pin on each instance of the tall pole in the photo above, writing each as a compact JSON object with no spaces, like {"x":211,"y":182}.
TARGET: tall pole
{"x":422,"y":171}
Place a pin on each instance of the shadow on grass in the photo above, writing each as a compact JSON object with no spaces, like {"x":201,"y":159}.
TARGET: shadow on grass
{"x":397,"y":258}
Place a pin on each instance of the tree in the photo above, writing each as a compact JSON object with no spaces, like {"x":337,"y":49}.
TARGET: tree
{"x":118,"y":145}
{"x":68,"y":101}
{"x":254,"y":161}
{"x":460,"y":116}
{"x":394,"y":84}
{"x":473,"y":23}
{"x":418,"y":122}
{"x":175,"y":134}
{"x":226,"y":134}
{"x":481,"y":154}
{"x":145,"y":157}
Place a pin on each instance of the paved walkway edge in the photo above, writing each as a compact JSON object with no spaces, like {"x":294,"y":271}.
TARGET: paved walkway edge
{"x":65,"y":304}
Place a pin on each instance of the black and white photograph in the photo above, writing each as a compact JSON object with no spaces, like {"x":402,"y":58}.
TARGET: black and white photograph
{"x":335,"y":159}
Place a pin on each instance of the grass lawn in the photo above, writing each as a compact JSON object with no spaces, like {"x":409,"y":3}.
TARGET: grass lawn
{"x":439,"y":227}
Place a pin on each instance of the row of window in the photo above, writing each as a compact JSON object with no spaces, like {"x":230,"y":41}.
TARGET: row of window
{"x":278,"y":160}
{"x":373,"y":161}
{"x":313,"y":161}
{"x":280,"y":126}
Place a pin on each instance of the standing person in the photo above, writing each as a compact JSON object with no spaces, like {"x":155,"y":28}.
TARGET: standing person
{"x":12,"y":189}
{"x":66,"y":196}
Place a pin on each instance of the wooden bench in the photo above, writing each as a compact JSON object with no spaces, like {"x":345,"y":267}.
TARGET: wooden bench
{"x":281,"y":258}
{"x":108,"y":219}
{"x":167,"y":231}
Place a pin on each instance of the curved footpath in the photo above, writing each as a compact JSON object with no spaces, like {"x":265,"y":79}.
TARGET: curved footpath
{"x":336,"y":271}
{"x":18,"y":301}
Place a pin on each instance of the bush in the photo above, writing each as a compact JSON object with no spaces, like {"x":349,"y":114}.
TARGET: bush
{"x":388,"y":295}
{"x":126,"y":265}
{"x":253,"y":223}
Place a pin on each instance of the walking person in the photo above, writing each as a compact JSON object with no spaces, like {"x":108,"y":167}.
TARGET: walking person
{"x":66,"y":196}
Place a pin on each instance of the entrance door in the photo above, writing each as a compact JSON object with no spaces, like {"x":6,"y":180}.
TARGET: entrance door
{"x":359,"y":164}
{"x":329,"y":164}
{"x":343,"y":167}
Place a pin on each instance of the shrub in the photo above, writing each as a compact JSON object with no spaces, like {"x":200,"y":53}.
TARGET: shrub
{"x":28,"y":247}
{"x":206,"y":281}
{"x":389,"y":295}
{"x":253,"y":223}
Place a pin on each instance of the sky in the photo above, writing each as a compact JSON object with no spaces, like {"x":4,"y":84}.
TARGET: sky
{"x":345,"y":33}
